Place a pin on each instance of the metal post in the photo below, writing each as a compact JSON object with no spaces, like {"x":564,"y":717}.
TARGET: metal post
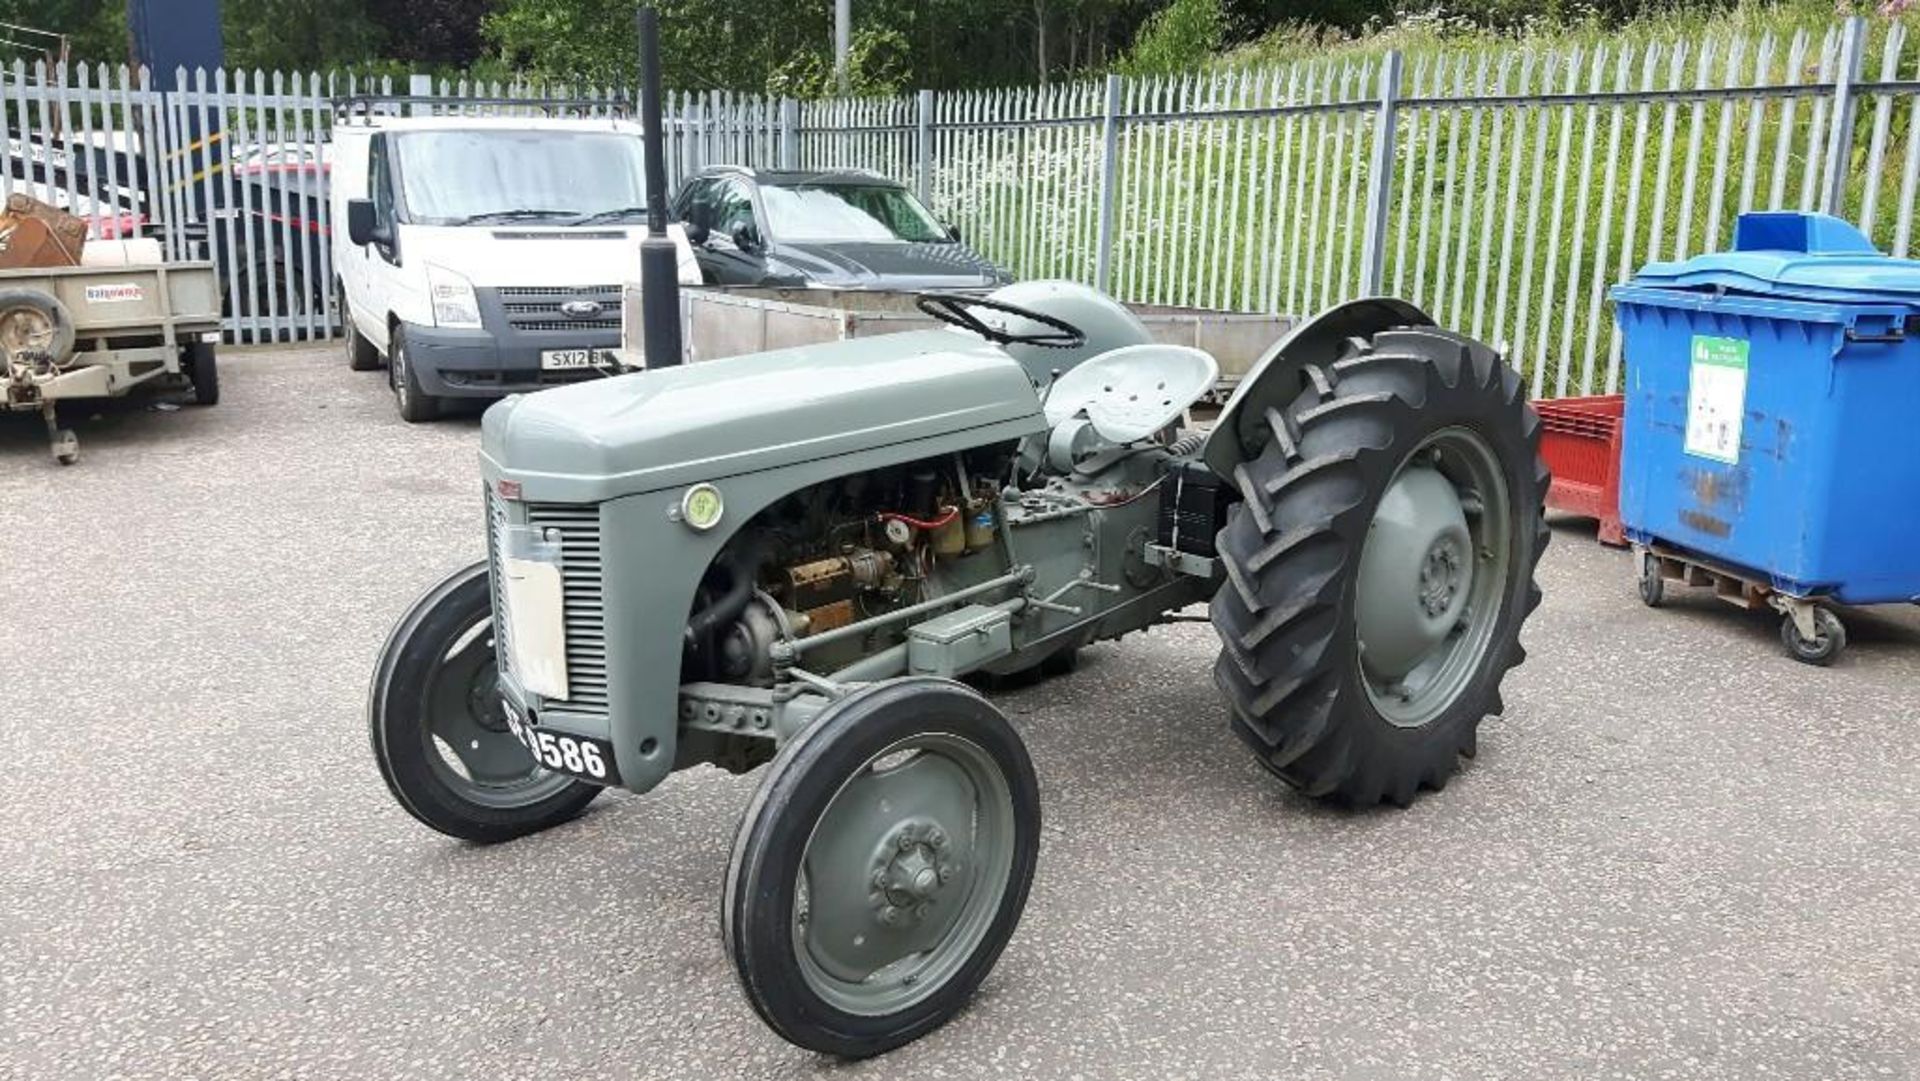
{"x":842,"y":40}
{"x":923,"y":149}
{"x":659,"y":261}
{"x":1109,"y":170}
{"x":1380,"y":190}
{"x":420,"y":86}
{"x":1853,"y":41}
{"x":789,"y":133}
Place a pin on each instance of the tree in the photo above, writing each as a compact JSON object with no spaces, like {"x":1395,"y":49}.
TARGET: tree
{"x":96,"y":29}
{"x":437,"y":32}
{"x":292,"y":35}
{"x":1177,"y":37}
{"x":777,"y":46}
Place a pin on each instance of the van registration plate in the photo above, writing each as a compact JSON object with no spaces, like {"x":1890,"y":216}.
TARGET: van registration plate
{"x":560,"y":360}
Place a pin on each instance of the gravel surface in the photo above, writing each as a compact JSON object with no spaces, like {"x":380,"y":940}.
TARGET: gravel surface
{"x":1679,"y":854}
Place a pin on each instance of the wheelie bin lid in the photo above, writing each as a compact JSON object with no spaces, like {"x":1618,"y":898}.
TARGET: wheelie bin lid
{"x":1792,"y":256}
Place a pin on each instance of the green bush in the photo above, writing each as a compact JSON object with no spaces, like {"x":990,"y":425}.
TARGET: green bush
{"x":1176,"y":37}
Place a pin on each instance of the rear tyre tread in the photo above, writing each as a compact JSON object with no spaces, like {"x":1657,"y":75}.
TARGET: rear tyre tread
{"x":1288,"y":664}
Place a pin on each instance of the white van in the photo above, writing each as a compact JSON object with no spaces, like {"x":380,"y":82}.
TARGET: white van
{"x":484,"y":256}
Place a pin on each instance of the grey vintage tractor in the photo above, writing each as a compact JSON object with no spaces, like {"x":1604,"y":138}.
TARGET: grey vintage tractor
{"x":790,"y":561}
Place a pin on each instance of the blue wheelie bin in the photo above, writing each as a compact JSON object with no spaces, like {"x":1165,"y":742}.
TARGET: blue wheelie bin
{"x":1772,"y":425}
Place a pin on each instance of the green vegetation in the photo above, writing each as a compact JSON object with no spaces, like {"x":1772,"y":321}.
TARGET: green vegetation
{"x":1454,"y":28}
{"x":783,"y":48}
{"x":1507,"y":221}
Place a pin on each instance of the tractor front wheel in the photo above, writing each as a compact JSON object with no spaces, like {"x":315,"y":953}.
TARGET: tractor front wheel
{"x":439,"y":730}
{"x":1380,"y":566}
{"x":882,"y":866}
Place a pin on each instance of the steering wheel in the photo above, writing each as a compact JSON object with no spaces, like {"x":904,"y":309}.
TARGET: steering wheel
{"x":955,"y":309}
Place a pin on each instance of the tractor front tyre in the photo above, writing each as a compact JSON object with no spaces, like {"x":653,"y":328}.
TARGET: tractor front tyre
{"x":882,"y":866}
{"x":1380,"y":566}
{"x":440,"y":734}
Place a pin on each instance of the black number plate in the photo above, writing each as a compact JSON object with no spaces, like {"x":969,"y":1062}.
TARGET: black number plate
{"x":580,"y":756}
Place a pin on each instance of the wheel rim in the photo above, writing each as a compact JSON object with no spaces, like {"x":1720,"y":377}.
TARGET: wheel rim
{"x":903,"y":874}
{"x":25,"y":329}
{"x":1433,"y":576}
{"x":397,"y":366}
{"x":468,"y":744}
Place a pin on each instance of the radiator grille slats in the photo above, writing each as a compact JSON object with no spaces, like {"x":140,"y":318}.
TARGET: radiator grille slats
{"x":583,"y":602}
{"x":496,"y":540}
{"x":539,"y":308}
{"x":585,"y":606}
{"x":543,"y":325}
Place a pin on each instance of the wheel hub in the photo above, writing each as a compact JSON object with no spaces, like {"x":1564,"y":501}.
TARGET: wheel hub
{"x":1442,"y":574}
{"x":1433,"y":577}
{"x":24,"y":329}
{"x":911,"y":868}
{"x":1415,"y":572}
{"x":489,"y":710}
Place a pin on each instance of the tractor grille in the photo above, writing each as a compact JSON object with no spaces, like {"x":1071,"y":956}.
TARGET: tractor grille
{"x":497,"y":523}
{"x":584,"y":606}
{"x":537,"y":309}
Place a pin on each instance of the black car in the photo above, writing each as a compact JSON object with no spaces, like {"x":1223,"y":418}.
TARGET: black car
{"x":841,"y":229}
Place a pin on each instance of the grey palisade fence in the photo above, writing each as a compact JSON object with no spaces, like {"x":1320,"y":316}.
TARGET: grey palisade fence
{"x":1504,"y":191}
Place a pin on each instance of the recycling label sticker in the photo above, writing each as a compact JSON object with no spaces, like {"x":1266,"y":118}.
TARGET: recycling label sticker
{"x":1716,"y":397}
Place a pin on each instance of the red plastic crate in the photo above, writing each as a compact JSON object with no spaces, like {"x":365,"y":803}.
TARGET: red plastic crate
{"x":1580,"y":440}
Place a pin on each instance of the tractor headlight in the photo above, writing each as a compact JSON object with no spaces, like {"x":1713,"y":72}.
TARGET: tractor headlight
{"x":454,"y":304}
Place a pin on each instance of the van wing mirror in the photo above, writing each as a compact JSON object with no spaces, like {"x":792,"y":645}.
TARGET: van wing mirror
{"x":363,"y":227}
{"x":697,"y":233}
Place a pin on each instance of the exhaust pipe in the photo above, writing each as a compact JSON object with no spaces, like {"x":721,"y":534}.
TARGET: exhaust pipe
{"x":659,"y":262}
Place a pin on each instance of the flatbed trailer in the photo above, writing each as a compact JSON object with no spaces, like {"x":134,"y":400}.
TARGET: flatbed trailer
{"x":101,"y":331}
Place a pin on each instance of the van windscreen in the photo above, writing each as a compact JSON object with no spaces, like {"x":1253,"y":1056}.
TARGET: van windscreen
{"x":493,"y":175}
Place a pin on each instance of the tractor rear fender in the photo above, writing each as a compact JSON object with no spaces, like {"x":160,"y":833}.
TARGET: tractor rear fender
{"x":1276,"y":378}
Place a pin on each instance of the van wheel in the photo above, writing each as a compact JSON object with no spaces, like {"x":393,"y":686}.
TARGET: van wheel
{"x":415,"y":404}
{"x":361,"y":355}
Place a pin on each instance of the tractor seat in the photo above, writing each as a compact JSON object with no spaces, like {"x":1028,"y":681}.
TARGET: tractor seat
{"x":1134,"y":391}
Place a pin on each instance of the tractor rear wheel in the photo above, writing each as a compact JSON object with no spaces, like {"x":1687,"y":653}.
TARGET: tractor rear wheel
{"x":1380,"y":566}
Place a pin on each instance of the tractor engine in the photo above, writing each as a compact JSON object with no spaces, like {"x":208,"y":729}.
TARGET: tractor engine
{"x":842,"y":551}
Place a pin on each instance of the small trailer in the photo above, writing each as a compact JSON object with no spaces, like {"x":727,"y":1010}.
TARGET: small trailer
{"x":100,"y":331}
{"x":721,"y":322}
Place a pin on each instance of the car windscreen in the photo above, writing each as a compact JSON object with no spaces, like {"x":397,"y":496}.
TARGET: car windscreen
{"x":476,"y":175}
{"x":825,"y":211}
